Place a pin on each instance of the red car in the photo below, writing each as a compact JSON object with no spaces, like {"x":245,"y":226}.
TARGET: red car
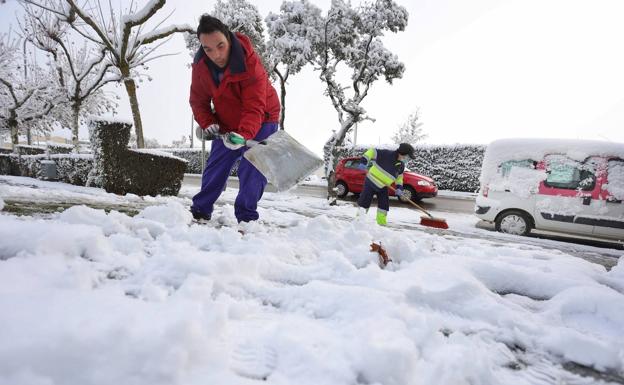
{"x":351,"y":173}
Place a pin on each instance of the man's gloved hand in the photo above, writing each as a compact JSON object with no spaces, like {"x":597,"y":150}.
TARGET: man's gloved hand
{"x":234,"y":141}
{"x":399,"y":191}
{"x":208,"y":133}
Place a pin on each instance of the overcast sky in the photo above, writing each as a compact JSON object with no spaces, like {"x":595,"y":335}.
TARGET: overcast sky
{"x":478,"y":70}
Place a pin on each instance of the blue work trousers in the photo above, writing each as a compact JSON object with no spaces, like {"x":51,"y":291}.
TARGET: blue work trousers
{"x":215,"y":176}
{"x":366,"y":196}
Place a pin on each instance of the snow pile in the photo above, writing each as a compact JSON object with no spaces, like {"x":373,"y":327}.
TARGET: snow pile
{"x":616,"y":179}
{"x":89,"y":297}
{"x":1,"y":204}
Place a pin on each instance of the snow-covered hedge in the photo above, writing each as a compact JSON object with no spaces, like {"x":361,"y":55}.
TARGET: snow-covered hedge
{"x":70,"y":168}
{"x":453,"y":167}
{"x":120,"y":170}
{"x":23,"y":149}
{"x":57,"y":148}
{"x":193,"y":157}
{"x":6,"y":164}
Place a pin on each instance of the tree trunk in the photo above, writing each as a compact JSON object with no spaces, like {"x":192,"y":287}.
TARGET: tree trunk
{"x":331,"y":153}
{"x":28,"y":137}
{"x":136,"y":114}
{"x":14,"y":133}
{"x":75,"y":125}
{"x":283,"y":101}
{"x":282,"y":79}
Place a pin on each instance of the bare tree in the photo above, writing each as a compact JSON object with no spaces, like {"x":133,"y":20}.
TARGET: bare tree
{"x":410,"y":131}
{"x":291,"y":35}
{"x":351,"y":37}
{"x":26,"y":95}
{"x":121,"y":36}
{"x":81,"y":73}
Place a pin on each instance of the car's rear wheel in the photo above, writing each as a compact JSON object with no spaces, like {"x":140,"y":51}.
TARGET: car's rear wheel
{"x":409,"y":194}
{"x":514,"y":222}
{"x":341,"y":189}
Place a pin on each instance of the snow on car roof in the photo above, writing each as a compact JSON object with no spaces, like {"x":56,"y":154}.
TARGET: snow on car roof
{"x":504,"y":150}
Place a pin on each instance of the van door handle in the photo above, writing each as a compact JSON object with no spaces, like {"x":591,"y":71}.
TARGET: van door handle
{"x":586,"y":200}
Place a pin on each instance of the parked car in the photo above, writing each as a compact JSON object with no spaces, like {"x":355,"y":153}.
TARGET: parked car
{"x":351,"y":173}
{"x":568,"y":186}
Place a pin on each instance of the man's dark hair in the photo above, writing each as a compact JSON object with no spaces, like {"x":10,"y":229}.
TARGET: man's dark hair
{"x":210,"y":24}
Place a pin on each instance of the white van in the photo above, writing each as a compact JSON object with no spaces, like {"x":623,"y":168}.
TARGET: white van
{"x":570,"y":186}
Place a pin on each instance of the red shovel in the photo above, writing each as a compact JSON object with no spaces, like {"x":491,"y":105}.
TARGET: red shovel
{"x":429,"y":220}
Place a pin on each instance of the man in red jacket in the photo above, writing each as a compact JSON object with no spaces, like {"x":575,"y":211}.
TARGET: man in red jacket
{"x":233,"y":100}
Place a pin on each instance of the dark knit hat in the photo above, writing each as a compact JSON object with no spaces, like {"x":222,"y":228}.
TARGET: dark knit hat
{"x":406,"y":149}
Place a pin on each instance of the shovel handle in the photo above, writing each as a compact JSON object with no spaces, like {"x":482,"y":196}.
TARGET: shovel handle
{"x":412,"y":202}
{"x":249,"y":143}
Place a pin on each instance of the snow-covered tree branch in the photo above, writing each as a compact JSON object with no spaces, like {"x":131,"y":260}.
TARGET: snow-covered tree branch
{"x":121,"y":36}
{"x":81,"y":73}
{"x":351,"y":37}
{"x":26,"y":94}
{"x":291,"y":35}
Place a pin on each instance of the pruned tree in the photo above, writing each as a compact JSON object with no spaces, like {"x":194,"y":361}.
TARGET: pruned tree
{"x":26,"y":94}
{"x":292,"y":33}
{"x":410,"y":131}
{"x":80,"y":72}
{"x":351,"y":37}
{"x":121,"y":35}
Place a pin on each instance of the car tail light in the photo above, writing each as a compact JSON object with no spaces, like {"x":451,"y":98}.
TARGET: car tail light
{"x":423,"y":183}
{"x":484,"y":190}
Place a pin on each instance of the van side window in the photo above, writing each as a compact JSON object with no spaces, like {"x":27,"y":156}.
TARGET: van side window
{"x":615,"y":179}
{"x":505,"y":167}
{"x":563,"y":172}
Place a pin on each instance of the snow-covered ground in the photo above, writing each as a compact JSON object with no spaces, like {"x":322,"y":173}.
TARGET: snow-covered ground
{"x":90,"y":297}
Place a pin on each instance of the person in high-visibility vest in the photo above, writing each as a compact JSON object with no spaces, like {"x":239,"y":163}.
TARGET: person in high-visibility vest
{"x":385,"y":167}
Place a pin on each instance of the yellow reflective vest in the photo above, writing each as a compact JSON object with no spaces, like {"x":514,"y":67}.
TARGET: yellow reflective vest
{"x":385,"y":167}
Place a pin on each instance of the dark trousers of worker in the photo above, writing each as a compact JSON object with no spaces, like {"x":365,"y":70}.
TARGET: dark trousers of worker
{"x":383,"y":203}
{"x":215,"y":176}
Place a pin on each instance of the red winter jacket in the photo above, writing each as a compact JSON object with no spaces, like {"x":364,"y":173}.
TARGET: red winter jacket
{"x":244,"y":98}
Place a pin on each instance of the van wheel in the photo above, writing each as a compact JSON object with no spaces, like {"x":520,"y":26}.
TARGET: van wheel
{"x":341,"y":189}
{"x":514,"y":222}
{"x":409,"y":194}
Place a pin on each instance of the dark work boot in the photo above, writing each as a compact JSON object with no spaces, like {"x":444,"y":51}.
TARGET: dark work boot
{"x":199,"y":216}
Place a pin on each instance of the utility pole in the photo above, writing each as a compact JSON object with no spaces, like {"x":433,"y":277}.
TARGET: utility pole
{"x":192,"y":133}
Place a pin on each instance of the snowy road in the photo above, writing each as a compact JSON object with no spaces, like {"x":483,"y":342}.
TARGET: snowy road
{"x":445,"y":201}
